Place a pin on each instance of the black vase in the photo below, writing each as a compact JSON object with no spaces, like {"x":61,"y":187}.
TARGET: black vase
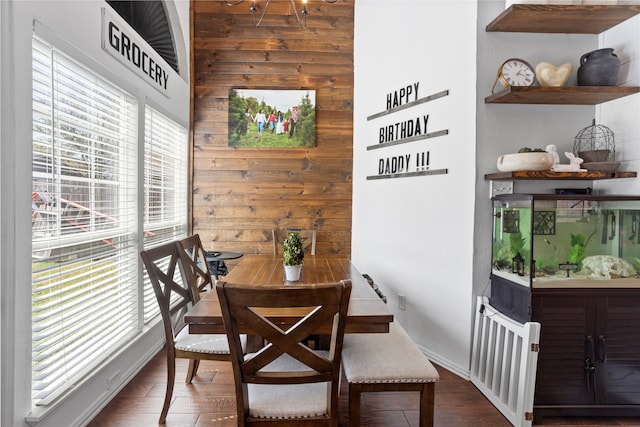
{"x":599,"y":68}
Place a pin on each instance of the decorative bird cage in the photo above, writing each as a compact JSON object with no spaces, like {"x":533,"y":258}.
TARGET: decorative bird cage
{"x":595,"y":143}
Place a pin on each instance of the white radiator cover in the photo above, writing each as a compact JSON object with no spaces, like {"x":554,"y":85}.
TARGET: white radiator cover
{"x":504,"y":362}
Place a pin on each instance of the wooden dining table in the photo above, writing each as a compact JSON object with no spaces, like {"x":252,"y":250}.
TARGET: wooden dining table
{"x":367,"y":313}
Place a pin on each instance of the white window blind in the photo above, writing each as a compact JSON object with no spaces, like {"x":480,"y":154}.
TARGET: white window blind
{"x":165,"y":189}
{"x":85,"y":258}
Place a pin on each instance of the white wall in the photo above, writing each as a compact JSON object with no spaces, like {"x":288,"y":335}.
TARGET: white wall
{"x":622,"y":116}
{"x":73,"y":26}
{"x":413,"y":235}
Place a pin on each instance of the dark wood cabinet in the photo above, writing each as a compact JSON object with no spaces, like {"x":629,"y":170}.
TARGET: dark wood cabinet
{"x":589,"y":360}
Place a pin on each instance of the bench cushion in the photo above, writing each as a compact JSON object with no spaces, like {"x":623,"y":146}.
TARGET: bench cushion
{"x":385,"y":358}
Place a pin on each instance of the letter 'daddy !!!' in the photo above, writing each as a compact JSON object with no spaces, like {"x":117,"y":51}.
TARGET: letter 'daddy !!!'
{"x":396,"y":164}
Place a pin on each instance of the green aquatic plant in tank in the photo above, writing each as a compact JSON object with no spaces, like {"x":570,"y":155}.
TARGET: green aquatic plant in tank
{"x":503,"y":253}
{"x":517,"y":243}
{"x":501,"y":256}
{"x":546,"y":266}
{"x":578,"y":252}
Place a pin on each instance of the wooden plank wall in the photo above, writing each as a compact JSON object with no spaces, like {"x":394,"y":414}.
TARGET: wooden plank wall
{"x":239,"y":194}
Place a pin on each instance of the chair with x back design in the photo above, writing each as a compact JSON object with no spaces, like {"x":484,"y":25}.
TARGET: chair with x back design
{"x":286,"y":382}
{"x":176,"y":293}
{"x":194,"y":256}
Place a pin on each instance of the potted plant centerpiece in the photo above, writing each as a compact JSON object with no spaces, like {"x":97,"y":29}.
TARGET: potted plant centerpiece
{"x":293,"y":255}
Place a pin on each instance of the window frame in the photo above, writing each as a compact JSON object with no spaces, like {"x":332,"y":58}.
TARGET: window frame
{"x":142,"y":324}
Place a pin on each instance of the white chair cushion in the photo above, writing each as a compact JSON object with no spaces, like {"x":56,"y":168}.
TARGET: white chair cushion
{"x":385,"y":358}
{"x":288,"y":400}
{"x":204,"y":343}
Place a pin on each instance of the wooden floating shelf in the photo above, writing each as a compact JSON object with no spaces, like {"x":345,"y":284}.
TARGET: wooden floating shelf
{"x":573,"y":95}
{"x":572,"y":19}
{"x":533,"y":175}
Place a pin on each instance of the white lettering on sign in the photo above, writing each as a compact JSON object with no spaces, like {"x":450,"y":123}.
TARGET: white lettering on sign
{"x":124,"y":44}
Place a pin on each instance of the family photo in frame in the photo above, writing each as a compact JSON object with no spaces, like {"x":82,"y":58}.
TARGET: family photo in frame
{"x":272,"y":118}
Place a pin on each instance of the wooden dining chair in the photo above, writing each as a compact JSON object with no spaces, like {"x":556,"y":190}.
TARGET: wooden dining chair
{"x":194,"y":256}
{"x":286,"y":382}
{"x":176,"y":293}
{"x":198,"y":272}
{"x":308,"y":238}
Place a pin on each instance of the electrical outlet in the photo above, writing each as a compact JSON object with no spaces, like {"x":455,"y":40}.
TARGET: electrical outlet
{"x":113,"y":379}
{"x":501,"y":187}
{"x":402,"y":302}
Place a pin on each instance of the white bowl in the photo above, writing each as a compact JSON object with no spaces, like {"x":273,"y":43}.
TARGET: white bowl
{"x":533,"y":161}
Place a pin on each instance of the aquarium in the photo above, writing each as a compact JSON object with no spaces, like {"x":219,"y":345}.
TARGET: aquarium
{"x":562,"y":240}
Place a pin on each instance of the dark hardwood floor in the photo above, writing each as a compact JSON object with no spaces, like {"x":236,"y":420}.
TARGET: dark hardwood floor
{"x":210,"y":402}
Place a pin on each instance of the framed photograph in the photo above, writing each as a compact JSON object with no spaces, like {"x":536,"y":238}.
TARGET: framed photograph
{"x":272,"y":118}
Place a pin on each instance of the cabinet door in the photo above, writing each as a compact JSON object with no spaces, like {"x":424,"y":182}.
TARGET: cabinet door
{"x":618,"y":350}
{"x":566,"y":362}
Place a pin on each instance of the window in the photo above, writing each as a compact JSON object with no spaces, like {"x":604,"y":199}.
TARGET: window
{"x":84,"y":219}
{"x":165,"y":189}
{"x":85,"y":216}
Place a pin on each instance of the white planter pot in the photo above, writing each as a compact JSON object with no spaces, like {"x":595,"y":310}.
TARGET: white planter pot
{"x":292,"y":273}
{"x":535,"y":161}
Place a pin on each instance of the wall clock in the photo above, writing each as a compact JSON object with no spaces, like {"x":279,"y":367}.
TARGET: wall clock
{"x":515,"y":72}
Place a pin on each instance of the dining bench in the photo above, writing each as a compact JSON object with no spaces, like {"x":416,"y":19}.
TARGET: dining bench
{"x":387,"y":362}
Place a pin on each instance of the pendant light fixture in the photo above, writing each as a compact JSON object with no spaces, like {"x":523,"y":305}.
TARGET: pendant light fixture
{"x":254,"y":8}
